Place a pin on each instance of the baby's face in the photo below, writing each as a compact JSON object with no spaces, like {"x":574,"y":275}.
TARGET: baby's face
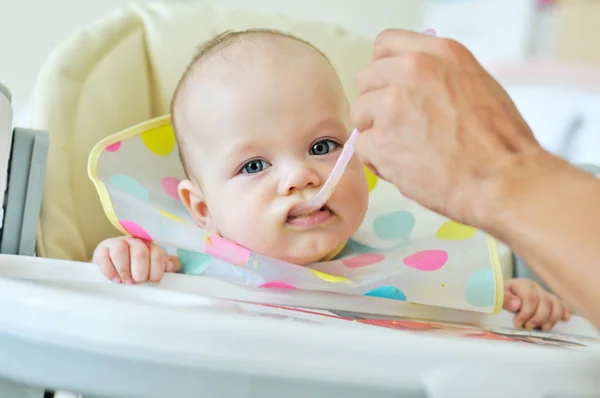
{"x":269,"y":142}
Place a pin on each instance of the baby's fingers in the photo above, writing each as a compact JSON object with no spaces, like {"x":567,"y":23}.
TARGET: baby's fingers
{"x":173,"y":264}
{"x":555,"y":315}
{"x":119,"y":254}
{"x":512,"y":302}
{"x":543,"y":310}
{"x":105,"y":264}
{"x":140,"y":260}
{"x":158,"y":263}
{"x":529,"y":302}
{"x":566,"y":315}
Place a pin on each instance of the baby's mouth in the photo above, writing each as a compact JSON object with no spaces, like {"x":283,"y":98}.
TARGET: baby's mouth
{"x":313,"y":218}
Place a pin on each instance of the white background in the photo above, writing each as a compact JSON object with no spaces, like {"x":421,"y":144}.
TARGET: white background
{"x":29,"y":29}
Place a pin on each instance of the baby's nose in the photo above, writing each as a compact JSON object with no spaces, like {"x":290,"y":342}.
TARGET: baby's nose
{"x":299,"y":179}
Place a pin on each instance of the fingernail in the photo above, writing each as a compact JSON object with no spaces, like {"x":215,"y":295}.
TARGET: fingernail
{"x":430,"y":32}
{"x":545,"y":327}
{"x":116,"y":279}
{"x":529,"y":326}
{"x":170,"y":266}
{"x":130,"y":282}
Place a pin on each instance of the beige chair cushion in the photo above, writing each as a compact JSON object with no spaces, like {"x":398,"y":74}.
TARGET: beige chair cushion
{"x":122,"y":71}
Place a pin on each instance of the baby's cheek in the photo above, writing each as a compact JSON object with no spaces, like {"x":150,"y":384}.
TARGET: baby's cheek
{"x":247,"y":228}
{"x":352,"y":197}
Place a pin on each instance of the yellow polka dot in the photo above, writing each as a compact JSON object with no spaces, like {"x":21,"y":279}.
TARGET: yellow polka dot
{"x":371,"y":179}
{"x":160,"y":140}
{"x":451,"y":230}
{"x":171,"y":216}
{"x":330,"y":278}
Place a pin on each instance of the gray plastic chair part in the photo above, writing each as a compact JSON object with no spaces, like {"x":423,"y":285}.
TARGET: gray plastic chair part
{"x":94,"y":374}
{"x":6,"y":92}
{"x":26,"y":174}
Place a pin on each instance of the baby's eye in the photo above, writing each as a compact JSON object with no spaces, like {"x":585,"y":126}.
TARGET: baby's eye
{"x":323,"y":147}
{"x":255,"y":166}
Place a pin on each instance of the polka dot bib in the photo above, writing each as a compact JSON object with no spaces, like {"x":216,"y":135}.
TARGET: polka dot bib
{"x":401,"y":251}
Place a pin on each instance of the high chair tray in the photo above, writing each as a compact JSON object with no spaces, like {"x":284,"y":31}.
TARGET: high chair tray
{"x":77,"y":332}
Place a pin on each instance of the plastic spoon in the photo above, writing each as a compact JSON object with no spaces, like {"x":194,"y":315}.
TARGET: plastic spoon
{"x":324,"y":194}
{"x":336,"y":174}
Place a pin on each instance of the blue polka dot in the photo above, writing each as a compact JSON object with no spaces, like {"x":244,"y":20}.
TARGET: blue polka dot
{"x":129,"y":185}
{"x":388,"y":292}
{"x":394,"y":225}
{"x":481,"y":288}
{"x":193,"y":263}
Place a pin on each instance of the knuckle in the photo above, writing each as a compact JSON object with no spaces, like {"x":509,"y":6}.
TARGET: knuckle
{"x":418,"y":66}
{"x":120,"y":247}
{"x":414,"y":63}
{"x":531,"y":299}
{"x":359,"y":80}
{"x":158,"y":255}
{"x":393,"y":97}
{"x":135,"y":243}
{"x":380,"y":40}
{"x":452,"y":48}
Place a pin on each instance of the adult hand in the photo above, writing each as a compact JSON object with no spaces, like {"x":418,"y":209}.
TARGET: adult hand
{"x":435,"y":123}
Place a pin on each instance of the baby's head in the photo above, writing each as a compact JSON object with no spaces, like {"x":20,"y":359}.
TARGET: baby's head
{"x":260,"y":119}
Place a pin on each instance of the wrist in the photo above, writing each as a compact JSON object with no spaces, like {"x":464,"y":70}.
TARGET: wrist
{"x":524,"y":188}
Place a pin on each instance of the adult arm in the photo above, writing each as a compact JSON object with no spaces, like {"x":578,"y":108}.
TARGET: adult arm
{"x":435,"y":124}
{"x":549,"y":213}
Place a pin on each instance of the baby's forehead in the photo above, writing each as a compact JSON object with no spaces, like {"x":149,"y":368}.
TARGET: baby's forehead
{"x":251,"y":71}
{"x":250,"y":65}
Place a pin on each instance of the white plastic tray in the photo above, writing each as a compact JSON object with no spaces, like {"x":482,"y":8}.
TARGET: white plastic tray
{"x":67,"y":328}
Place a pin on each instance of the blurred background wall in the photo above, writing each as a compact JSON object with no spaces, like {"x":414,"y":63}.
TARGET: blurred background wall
{"x":497,"y":31}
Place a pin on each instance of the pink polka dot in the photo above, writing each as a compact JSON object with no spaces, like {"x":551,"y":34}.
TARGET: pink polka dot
{"x":135,"y":230}
{"x":170,"y":185}
{"x":114,"y":147}
{"x":363,"y":260}
{"x":277,"y":285}
{"x":427,"y":260}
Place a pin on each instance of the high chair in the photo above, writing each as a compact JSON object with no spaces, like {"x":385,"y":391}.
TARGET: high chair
{"x":23,"y":154}
{"x":122,"y":71}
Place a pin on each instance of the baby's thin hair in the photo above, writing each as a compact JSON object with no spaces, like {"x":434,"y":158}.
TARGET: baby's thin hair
{"x":217,"y":43}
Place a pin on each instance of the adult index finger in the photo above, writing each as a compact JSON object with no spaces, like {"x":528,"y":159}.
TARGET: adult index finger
{"x":391,"y":42}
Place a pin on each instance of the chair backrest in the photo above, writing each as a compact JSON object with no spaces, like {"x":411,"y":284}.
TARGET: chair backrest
{"x":122,"y":71}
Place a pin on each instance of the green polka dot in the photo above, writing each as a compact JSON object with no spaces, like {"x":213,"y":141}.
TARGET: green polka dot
{"x":129,"y":185}
{"x":193,"y":263}
{"x":394,"y":225}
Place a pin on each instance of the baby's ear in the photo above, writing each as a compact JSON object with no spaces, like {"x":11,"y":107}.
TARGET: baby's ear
{"x":193,"y":199}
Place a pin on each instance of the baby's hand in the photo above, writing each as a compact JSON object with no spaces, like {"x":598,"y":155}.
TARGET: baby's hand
{"x":131,"y":260}
{"x":535,"y":307}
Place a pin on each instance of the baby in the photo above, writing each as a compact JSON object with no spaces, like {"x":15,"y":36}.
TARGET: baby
{"x":260,"y":118}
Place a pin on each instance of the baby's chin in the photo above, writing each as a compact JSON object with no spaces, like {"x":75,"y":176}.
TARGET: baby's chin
{"x":308,"y":257}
